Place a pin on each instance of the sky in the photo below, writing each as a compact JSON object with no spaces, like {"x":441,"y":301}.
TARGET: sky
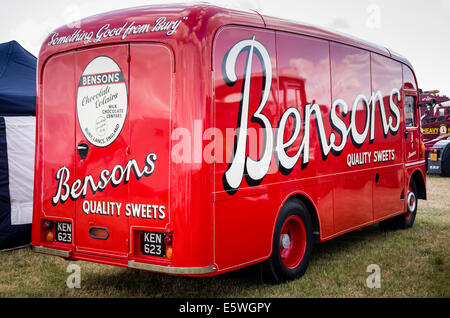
{"x":419,"y":30}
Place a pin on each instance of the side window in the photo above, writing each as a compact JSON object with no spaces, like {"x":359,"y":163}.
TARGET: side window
{"x":410,"y":115}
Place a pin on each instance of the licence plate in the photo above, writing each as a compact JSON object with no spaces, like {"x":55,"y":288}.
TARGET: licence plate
{"x":433,"y":156}
{"x":63,"y":232}
{"x":152,"y":243}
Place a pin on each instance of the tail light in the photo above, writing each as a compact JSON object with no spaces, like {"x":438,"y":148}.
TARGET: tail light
{"x":47,"y":225}
{"x":168,"y":240}
{"x":48,"y":231}
{"x":50,"y":236}
{"x":169,"y":252}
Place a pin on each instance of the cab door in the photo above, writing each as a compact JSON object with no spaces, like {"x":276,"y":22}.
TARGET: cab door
{"x":412,"y":128}
{"x":412,"y":132}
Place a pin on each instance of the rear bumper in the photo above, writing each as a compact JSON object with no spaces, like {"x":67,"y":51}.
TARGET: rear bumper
{"x":137,"y":265}
{"x":172,"y":270}
{"x":51,"y":251}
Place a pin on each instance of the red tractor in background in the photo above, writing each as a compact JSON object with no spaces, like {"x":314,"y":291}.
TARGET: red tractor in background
{"x":435,"y":119}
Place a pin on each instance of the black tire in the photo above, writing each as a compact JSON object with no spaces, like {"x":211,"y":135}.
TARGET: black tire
{"x":275,"y":269}
{"x":446,"y":162}
{"x":405,"y":220}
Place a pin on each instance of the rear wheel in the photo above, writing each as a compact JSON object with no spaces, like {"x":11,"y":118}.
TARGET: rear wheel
{"x":405,"y":220}
{"x":292,"y":244}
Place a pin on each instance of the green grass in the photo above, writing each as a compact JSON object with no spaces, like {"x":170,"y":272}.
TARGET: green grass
{"x":413,"y":263}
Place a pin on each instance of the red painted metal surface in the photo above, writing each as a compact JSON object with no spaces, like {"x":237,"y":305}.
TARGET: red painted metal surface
{"x":292,"y":241}
{"x":217,"y":118}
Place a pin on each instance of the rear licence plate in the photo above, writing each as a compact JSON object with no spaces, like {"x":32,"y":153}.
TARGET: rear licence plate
{"x":152,"y":243}
{"x":63,"y":232}
{"x":433,"y":156}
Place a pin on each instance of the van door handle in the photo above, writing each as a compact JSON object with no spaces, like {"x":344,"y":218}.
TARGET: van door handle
{"x":406,"y":134}
{"x":83,"y":150}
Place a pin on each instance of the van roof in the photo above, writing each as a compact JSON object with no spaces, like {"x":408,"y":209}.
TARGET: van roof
{"x":216,"y":17}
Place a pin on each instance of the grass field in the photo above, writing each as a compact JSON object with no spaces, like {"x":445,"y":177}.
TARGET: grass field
{"x":413,"y":263}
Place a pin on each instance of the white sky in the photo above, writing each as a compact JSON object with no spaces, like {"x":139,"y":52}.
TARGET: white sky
{"x":417,"y":29}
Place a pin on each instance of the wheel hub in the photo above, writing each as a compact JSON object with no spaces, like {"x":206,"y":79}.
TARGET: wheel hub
{"x":292,"y":243}
{"x":285,"y":240}
{"x":411,"y":202}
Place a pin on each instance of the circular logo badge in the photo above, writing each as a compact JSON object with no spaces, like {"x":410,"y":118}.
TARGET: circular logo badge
{"x":443,"y":130}
{"x":102,"y":102}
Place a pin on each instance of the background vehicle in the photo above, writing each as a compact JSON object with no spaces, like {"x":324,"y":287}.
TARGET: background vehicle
{"x":435,"y":118}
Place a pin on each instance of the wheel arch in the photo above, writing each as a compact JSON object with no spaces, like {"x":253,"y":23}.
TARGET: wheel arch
{"x":312,"y":209}
{"x":419,"y":180}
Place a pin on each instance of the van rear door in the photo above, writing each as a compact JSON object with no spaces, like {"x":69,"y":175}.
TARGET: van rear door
{"x":151,"y":76}
{"x":106,"y":147}
{"x":102,"y":134}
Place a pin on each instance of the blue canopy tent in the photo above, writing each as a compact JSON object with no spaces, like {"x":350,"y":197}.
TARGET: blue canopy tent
{"x":17,"y":130}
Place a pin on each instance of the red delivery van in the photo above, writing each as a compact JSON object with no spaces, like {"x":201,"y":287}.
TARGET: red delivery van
{"x":196,"y":140}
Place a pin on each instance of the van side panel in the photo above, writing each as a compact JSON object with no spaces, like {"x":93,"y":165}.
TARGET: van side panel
{"x":386,"y":76}
{"x":304,"y":78}
{"x":350,"y":74}
{"x":347,"y":105}
{"x":243,"y":223}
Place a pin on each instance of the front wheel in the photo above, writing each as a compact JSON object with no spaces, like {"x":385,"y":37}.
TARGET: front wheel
{"x":292,"y":243}
{"x":405,"y":220}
